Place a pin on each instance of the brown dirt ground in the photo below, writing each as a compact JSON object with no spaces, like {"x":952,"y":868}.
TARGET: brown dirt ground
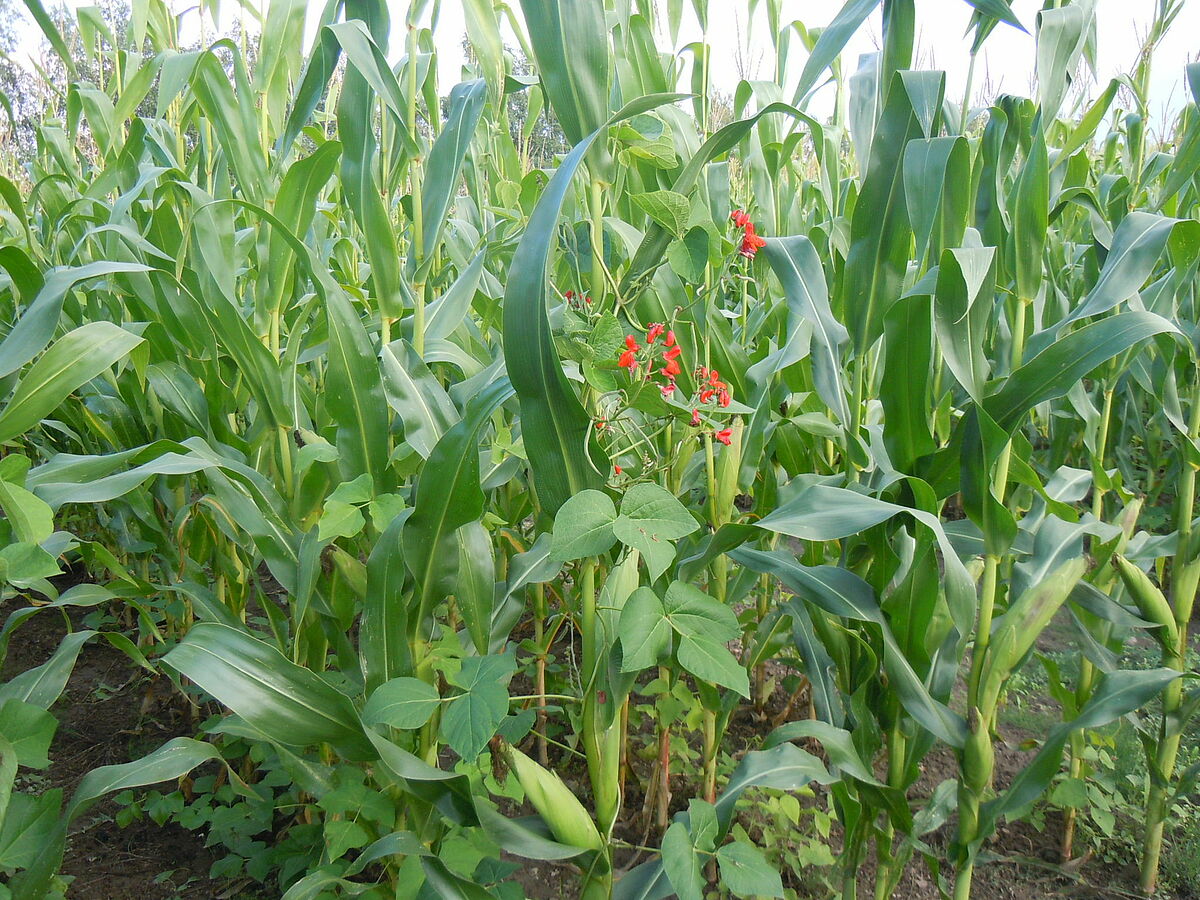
{"x":110,"y":713}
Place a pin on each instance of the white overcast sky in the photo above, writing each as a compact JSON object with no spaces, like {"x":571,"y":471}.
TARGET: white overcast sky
{"x":1006,"y":64}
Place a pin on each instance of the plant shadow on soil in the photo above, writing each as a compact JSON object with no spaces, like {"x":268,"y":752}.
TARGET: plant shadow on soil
{"x":111,"y":712}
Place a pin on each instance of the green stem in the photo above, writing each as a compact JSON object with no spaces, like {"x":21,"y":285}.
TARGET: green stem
{"x":1184,"y":580}
{"x":601,"y":742}
{"x":596,"y":202}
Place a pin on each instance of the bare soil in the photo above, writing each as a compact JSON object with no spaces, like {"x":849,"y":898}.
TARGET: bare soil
{"x":111,"y":712}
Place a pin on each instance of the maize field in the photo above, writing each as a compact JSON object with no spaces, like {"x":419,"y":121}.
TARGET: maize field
{"x":586,"y":480}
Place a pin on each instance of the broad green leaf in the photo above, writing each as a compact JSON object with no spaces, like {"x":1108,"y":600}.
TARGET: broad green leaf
{"x":681,"y":863}
{"x":667,"y":208}
{"x":29,"y":730}
{"x":650,"y":519}
{"x":711,"y":661}
{"x":471,"y":719}
{"x":339,"y":519}
{"x":401,"y":703}
{"x":583,"y":526}
{"x":644,"y":631}
{"x":693,"y":613}
{"x":746,"y":872}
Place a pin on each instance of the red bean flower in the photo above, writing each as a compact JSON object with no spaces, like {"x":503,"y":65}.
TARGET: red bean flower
{"x":725,"y":436}
{"x":740,"y":219}
{"x":751,"y":243}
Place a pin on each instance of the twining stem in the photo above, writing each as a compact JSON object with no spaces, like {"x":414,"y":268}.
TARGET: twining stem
{"x":1185,"y":576}
{"x":596,"y":202}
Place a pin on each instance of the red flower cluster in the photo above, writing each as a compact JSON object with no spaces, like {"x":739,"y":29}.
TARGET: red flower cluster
{"x":713,"y":389}
{"x":711,"y":386}
{"x":669,"y":357}
{"x":751,"y":242}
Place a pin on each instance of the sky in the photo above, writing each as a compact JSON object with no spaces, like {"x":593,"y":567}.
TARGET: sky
{"x":1005,"y":65}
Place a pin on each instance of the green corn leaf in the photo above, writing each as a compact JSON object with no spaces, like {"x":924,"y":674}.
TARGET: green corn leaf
{"x":833,"y":39}
{"x":354,"y":393}
{"x":569,"y":39}
{"x":1053,"y":371}
{"x":842,"y":593}
{"x":1118,"y":693}
{"x":1029,"y":208}
{"x":563,"y":454}
{"x":904,"y":390}
{"x":175,"y":758}
{"x":367,"y":76}
{"x":287,"y":703}
{"x":962,"y":310}
{"x":446,"y":159}
{"x":383,"y":634}
{"x":798,"y":268}
{"x":938,"y":216}
{"x":880,"y":230}
{"x":448,"y":496}
{"x":72,"y":361}
{"x":36,"y":326}
{"x":475,"y":591}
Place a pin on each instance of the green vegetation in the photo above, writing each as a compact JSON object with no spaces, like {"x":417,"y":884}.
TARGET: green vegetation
{"x":575,"y":466}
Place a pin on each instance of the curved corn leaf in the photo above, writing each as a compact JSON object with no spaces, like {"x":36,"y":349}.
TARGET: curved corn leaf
{"x":284,"y":701}
{"x":72,"y":361}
